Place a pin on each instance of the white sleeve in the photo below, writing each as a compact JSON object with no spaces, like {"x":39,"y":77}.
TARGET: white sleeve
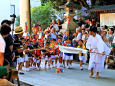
{"x":102,"y":47}
{"x":78,"y":36}
{"x":88,"y":43}
{"x":2,"y":46}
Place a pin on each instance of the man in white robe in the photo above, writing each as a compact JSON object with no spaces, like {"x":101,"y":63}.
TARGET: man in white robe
{"x":98,"y":51}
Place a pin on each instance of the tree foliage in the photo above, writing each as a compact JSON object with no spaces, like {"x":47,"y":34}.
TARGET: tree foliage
{"x":81,"y":2}
{"x":17,"y":21}
{"x":42,"y":14}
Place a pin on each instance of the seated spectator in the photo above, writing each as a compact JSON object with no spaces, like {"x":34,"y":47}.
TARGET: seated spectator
{"x":110,"y":61}
{"x":59,"y":24}
{"x":104,"y":27}
{"x":110,"y":35}
{"x":54,"y":25}
{"x":78,"y":37}
{"x":3,"y":81}
{"x":53,"y":34}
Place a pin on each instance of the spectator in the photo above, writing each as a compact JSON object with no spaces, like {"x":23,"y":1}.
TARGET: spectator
{"x":110,"y":35}
{"x":17,"y":47}
{"x":84,"y":38}
{"x":59,"y":24}
{"x":79,"y":35}
{"x":53,"y":34}
{"x":104,"y":27}
{"x":4,"y":33}
{"x":3,"y":81}
{"x":54,"y":25}
{"x":9,"y":44}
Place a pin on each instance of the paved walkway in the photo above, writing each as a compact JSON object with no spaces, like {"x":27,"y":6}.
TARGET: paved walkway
{"x":70,"y":77}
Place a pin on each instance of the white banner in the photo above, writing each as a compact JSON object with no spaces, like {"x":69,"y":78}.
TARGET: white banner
{"x":72,"y":50}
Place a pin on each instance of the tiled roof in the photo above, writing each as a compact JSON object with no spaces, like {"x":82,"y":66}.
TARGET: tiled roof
{"x":103,"y":9}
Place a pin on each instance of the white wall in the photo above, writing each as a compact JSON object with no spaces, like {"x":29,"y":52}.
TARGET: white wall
{"x":107,"y":19}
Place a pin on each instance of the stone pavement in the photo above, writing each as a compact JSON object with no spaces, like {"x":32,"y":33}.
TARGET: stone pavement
{"x":70,"y":77}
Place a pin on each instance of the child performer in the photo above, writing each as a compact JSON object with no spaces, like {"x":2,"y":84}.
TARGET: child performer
{"x":45,"y":54}
{"x":28,"y":56}
{"x":68,"y":56}
{"x":37,"y":57}
{"x":52,"y":52}
{"x":60,"y":53}
{"x":82,"y":56}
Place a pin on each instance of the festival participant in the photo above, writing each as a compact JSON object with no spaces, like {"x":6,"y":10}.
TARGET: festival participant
{"x":84,"y":37}
{"x":47,"y":35}
{"x":37,"y":56}
{"x":82,"y":56}
{"x":56,"y":49}
{"x":46,"y":55}
{"x":97,"y":52}
{"x":40,"y":33}
{"x":59,"y":52}
{"x":35,"y":29}
{"x":18,"y":47}
{"x":20,"y":60}
{"x":52,"y":51}
{"x":66,"y":35}
{"x":67,"y":56}
{"x":28,"y":56}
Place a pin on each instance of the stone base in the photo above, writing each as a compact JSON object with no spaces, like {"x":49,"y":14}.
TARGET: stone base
{"x":69,"y":27}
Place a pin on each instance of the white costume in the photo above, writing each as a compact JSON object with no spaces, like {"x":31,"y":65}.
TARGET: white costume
{"x":97,"y":45}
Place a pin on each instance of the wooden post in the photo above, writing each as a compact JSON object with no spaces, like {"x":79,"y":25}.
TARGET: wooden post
{"x":25,"y":14}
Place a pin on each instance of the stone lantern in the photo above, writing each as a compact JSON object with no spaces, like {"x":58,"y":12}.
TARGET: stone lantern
{"x":69,"y":24}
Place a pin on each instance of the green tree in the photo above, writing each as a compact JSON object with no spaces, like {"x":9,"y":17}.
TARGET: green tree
{"x":42,"y":14}
{"x":17,"y":21}
{"x":81,"y":2}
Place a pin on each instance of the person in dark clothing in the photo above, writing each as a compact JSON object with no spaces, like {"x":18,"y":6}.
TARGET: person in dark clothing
{"x":18,"y":48}
{"x":9,"y":44}
{"x":4,"y":32}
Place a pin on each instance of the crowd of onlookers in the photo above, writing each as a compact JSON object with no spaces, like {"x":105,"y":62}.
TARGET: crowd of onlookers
{"x":28,"y":50}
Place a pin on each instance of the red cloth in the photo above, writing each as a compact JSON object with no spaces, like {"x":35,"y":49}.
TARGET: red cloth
{"x":34,"y":40}
{"x":41,"y":43}
{"x":64,"y":44}
{"x":37,"y":52}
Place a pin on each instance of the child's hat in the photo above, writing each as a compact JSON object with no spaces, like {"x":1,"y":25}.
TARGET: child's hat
{"x":3,"y":71}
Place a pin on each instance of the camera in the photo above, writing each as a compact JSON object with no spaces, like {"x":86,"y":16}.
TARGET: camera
{"x":14,"y":16}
